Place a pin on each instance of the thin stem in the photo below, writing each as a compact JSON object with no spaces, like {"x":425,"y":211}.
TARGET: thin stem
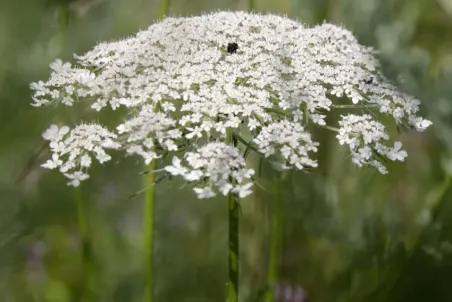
{"x":276,"y":242}
{"x":251,"y":5}
{"x":233,"y":267}
{"x":83,"y":229}
{"x":233,"y":285}
{"x":82,"y":213}
{"x":149,"y":212}
{"x":63,"y":20}
{"x":164,"y":8}
{"x":353,"y":106}
{"x":329,"y":128}
{"x":149,"y":217}
{"x":277,"y":111}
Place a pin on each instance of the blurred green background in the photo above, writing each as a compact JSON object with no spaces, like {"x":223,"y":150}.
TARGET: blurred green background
{"x":349,"y":234}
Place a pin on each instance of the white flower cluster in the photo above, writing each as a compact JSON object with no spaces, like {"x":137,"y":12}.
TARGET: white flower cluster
{"x":290,"y":140}
{"x":221,"y":165}
{"x":364,"y":136}
{"x":141,"y":131}
{"x":72,"y":150}
{"x":194,"y":81}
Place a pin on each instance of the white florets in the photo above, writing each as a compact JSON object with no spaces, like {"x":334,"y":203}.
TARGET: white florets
{"x":290,"y":141}
{"x":73,"y":149}
{"x":364,"y":136}
{"x":220,"y":165}
{"x":183,"y":86}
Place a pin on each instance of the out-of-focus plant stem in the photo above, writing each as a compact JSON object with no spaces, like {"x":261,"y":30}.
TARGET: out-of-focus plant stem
{"x":164,"y":8}
{"x":233,"y":285}
{"x":83,"y":229}
{"x":233,"y":266}
{"x":275,"y":240}
{"x":251,"y":5}
{"x":64,"y":15}
{"x":149,"y":212}
{"x":149,"y":222}
{"x":82,"y":212}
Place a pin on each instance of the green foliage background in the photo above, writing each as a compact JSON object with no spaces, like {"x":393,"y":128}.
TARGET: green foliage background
{"x":349,"y":234}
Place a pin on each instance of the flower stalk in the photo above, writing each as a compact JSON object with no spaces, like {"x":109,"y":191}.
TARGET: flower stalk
{"x":149,"y":233}
{"x":85,"y":240}
{"x":276,"y":238}
{"x":164,"y":8}
{"x":233,"y":285}
{"x":149,"y":212}
{"x":87,"y":260}
{"x":233,"y":231}
{"x":251,"y":5}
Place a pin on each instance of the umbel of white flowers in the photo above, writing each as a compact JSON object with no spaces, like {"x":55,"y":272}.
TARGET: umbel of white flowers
{"x":187,"y":83}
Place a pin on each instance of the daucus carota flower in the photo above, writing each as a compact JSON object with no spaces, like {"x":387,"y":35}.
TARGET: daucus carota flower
{"x":221,"y":165}
{"x":190,"y":83}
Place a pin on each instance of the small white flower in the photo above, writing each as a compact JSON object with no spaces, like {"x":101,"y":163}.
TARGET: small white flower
{"x":101,"y":103}
{"x":53,"y":163}
{"x":253,"y":124}
{"x":195,"y":132}
{"x":58,"y":66}
{"x":102,"y":157}
{"x":298,"y":115}
{"x":318,"y":119}
{"x":85,"y":161}
{"x":76,"y":178}
{"x":54,"y":133}
{"x":38,"y":102}
{"x":243,"y":190}
{"x":337,"y":91}
{"x":176,"y":168}
{"x":115,"y":103}
{"x":422,"y":124}
{"x":84,"y":77}
{"x":224,"y":187}
{"x":194,"y":175}
{"x":167,"y":106}
{"x":204,"y":193}
{"x":57,"y":147}
{"x":396,"y":153}
{"x":68,"y":101}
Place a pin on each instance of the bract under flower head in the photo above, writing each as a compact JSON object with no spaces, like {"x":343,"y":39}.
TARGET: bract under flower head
{"x":186,"y":81}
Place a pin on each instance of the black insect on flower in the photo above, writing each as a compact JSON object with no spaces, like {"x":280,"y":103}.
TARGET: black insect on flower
{"x":232,"y":48}
{"x":369,"y":81}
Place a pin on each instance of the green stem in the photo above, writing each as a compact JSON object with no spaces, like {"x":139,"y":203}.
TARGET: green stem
{"x":149,"y":212}
{"x":354,"y":106}
{"x":149,"y":217}
{"x":251,"y":5}
{"x":233,"y":285}
{"x":164,"y":8}
{"x":233,"y":267}
{"x":88,"y":269}
{"x":276,"y":242}
{"x":83,"y":229}
{"x":64,"y":15}
{"x":330,"y":128}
